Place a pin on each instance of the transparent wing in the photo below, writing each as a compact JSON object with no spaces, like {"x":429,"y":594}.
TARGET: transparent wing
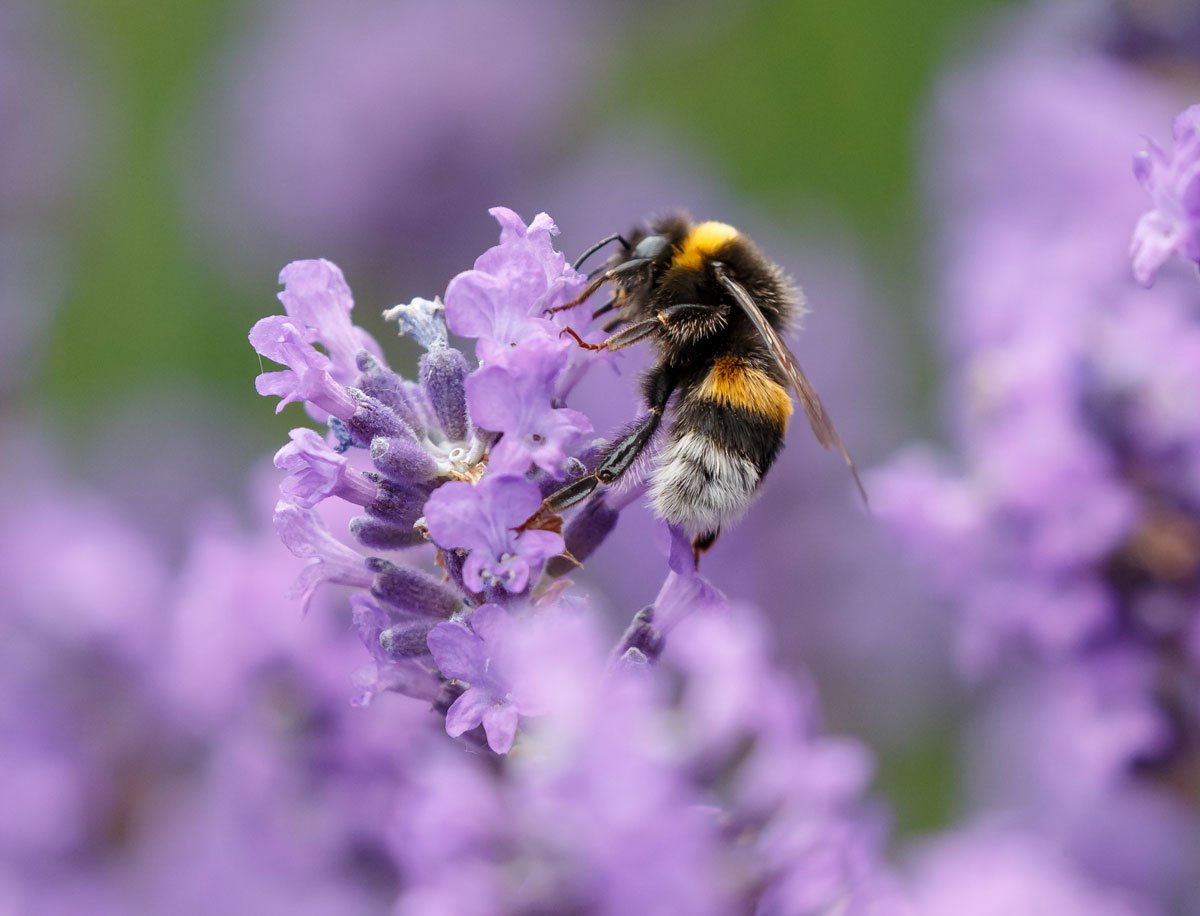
{"x":818,"y":418}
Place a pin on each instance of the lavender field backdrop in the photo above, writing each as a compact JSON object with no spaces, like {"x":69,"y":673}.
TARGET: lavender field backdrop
{"x":300,"y":654}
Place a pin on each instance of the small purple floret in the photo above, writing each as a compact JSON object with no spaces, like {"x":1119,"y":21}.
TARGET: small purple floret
{"x":477,"y":656}
{"x":316,"y":471}
{"x":317,"y":297}
{"x":502,"y":301}
{"x":329,"y":560}
{"x":515,"y":397}
{"x":482,"y":519}
{"x":307,"y":377}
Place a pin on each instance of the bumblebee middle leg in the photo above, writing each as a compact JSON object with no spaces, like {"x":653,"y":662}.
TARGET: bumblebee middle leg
{"x":622,"y":339}
{"x":622,"y":454}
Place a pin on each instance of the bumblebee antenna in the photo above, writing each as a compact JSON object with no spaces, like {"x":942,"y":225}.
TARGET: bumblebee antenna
{"x":615,"y":237}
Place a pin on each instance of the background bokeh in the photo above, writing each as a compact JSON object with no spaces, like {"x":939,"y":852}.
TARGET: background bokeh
{"x":159,"y":163}
{"x":167,"y":160}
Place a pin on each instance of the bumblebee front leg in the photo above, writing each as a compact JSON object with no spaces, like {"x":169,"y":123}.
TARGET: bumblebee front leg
{"x":622,"y":270}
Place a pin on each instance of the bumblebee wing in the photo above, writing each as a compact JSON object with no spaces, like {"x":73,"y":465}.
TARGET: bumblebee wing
{"x":818,"y":417}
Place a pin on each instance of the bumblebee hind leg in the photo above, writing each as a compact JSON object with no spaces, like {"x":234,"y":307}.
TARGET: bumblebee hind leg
{"x":701,"y":543}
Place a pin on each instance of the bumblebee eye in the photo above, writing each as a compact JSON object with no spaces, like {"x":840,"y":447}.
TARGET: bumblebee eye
{"x":650,"y":247}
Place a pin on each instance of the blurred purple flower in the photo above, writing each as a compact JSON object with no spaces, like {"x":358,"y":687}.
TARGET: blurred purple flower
{"x":1063,"y":532}
{"x":995,"y":870}
{"x":412,"y":123}
{"x":608,"y":810}
{"x":178,"y":740}
{"x":1172,"y":226}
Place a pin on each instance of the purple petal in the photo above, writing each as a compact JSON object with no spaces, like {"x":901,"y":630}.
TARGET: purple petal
{"x":500,"y":725}
{"x":491,"y":623}
{"x":456,"y":516}
{"x":511,"y":499}
{"x":537,"y":546}
{"x":467,"y":711}
{"x":458,"y":652}
{"x":316,"y":295}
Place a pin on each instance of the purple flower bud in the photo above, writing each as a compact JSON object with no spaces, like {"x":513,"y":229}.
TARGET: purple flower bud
{"x":641,"y":637}
{"x":402,"y":460}
{"x":423,"y":320}
{"x":316,"y":471}
{"x":586,"y":531}
{"x":393,"y":671}
{"x":443,"y":373}
{"x":1172,"y":226}
{"x":384,"y":535}
{"x":482,"y":518}
{"x":372,"y":419}
{"x":516,"y":398}
{"x":306,"y":536}
{"x":316,"y":296}
{"x":307,"y":377}
{"x":410,"y":590}
{"x":407,"y":640}
{"x":399,"y":503}
{"x":381,"y":383}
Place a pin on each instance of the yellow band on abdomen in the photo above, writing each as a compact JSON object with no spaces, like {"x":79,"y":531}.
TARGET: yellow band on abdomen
{"x":735,"y":383}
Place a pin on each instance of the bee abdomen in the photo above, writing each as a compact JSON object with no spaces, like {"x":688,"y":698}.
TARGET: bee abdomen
{"x":717,"y":454}
{"x":700,"y":484}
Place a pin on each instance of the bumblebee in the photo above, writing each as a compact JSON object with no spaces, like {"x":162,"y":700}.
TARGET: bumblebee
{"x":714,"y":308}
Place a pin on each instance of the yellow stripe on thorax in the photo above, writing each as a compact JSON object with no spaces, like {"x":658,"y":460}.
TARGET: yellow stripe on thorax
{"x":703,"y":241}
{"x":735,"y":383}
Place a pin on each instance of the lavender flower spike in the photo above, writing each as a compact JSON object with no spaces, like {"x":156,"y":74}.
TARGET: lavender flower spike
{"x":1173,"y":182}
{"x":329,"y":560}
{"x":316,"y":472}
{"x":482,"y":519}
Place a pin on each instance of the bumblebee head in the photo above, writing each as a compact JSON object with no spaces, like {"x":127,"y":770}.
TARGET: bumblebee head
{"x":702,"y":243}
{"x":652,"y":246}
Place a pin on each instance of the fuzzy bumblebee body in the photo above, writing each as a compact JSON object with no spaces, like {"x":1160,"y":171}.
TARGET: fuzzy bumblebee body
{"x":714,"y":307}
{"x":731,"y":407}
